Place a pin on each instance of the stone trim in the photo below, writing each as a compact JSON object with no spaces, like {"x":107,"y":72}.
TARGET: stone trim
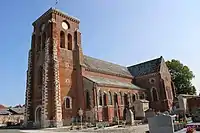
{"x":28,"y":89}
{"x":45,"y":85}
{"x":57,"y":12}
{"x":57,"y":97}
{"x":64,"y":15}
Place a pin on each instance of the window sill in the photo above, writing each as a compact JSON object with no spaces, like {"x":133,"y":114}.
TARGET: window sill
{"x":68,"y":108}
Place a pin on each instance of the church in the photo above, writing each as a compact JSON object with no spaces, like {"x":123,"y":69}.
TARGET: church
{"x":61,"y":79}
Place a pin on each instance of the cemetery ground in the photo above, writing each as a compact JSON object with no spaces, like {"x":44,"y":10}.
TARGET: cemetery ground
{"x":114,"y":129}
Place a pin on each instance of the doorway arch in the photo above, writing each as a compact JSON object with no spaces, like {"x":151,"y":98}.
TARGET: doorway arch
{"x":38,"y":115}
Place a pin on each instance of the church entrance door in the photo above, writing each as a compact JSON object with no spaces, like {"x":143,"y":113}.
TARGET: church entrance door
{"x":38,"y":116}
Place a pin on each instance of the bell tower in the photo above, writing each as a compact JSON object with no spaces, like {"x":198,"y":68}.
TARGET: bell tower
{"x":54,"y":77}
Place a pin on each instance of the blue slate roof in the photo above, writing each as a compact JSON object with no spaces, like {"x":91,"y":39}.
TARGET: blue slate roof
{"x":145,"y":68}
{"x":140,"y":69}
{"x":112,"y":82}
{"x":104,"y":66}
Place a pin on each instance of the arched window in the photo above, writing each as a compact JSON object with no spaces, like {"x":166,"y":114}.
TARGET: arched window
{"x":133,"y":97}
{"x":39,"y":43}
{"x":100,"y":98}
{"x":104,"y":99}
{"x":69,"y":38}
{"x":68,"y":102}
{"x":110,"y":98}
{"x":122,"y":101}
{"x":43,"y":40}
{"x":87,"y":100}
{"x":40,"y":75}
{"x":62,"y":39}
{"x":154,"y":94}
{"x":115,"y":99}
{"x":126,"y":99}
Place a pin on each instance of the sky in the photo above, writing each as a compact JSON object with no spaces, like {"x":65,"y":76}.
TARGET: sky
{"x":125,"y":32}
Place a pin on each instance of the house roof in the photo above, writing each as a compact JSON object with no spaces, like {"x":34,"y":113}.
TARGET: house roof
{"x":2,"y":107}
{"x":145,"y":68}
{"x":4,"y":112}
{"x":111,"y":82}
{"x":104,"y":66}
{"x":17,"y":110}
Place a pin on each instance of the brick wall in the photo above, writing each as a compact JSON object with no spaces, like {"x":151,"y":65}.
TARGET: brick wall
{"x":10,"y":118}
{"x":162,"y":83}
{"x":193,"y":103}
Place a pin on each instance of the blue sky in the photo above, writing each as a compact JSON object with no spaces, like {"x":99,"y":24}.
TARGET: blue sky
{"x":121,"y":31}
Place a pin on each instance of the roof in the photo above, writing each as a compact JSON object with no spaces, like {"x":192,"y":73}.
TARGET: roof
{"x":2,"y":107}
{"x":111,"y":82}
{"x":104,"y":66}
{"x":4,"y":112}
{"x":145,"y":68}
{"x":18,"y":110}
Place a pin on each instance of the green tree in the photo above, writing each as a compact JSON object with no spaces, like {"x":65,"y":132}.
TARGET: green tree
{"x":182,"y":77}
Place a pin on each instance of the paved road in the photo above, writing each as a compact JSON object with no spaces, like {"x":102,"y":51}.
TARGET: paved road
{"x":9,"y":131}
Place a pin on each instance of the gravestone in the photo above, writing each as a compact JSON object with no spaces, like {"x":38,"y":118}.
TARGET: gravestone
{"x":149,"y":113}
{"x":129,"y":117}
{"x":161,"y":124}
{"x":140,"y":107}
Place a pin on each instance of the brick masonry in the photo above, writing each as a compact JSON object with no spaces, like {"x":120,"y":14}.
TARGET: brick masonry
{"x":64,"y":75}
{"x":193,"y":104}
{"x":57,"y":98}
{"x":28,"y":87}
{"x":45,"y":78}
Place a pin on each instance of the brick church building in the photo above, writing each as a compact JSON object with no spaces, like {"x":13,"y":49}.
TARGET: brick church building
{"x":61,"y":79}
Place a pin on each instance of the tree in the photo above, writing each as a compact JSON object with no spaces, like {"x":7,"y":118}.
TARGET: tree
{"x":181,"y":76}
